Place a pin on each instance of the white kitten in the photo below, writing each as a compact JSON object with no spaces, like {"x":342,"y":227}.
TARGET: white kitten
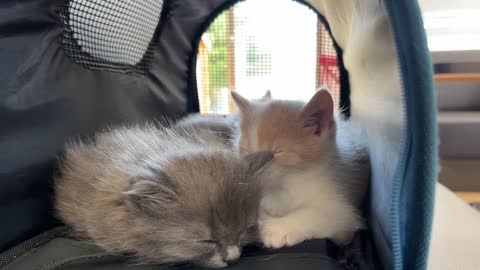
{"x":320,"y":173}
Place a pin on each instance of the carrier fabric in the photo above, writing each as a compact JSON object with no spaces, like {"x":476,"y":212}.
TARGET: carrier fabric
{"x":62,"y":77}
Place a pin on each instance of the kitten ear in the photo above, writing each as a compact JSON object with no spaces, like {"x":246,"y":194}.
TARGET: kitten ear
{"x":258,"y":161}
{"x":149,"y":191}
{"x":242,"y":103}
{"x":267,"y":96}
{"x":318,"y":113}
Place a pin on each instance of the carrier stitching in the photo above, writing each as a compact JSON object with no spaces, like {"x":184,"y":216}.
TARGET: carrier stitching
{"x":13,"y":253}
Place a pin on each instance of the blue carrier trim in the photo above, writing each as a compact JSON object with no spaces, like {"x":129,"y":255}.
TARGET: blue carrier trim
{"x":414,"y":186}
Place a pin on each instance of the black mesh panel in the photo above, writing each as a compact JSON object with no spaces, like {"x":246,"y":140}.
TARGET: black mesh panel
{"x":111,"y":34}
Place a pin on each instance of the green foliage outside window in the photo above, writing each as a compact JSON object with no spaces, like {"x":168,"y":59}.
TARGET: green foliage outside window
{"x":218,"y":58}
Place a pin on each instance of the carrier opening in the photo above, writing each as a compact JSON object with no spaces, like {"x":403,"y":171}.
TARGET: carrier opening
{"x":250,"y":47}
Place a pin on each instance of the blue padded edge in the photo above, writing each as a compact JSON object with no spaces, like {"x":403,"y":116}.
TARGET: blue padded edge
{"x":414,"y":186}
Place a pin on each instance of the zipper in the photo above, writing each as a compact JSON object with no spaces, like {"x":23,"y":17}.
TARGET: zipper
{"x":406,"y":143}
{"x":401,"y":168}
{"x":399,"y":176}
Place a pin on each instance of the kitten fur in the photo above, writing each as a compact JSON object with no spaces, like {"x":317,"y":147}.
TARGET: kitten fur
{"x":213,"y":127}
{"x":160,"y":195}
{"x":320,"y":172}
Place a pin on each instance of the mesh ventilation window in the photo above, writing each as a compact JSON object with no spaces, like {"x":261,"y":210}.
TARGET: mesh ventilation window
{"x":254,"y":46}
{"x":111,"y":34}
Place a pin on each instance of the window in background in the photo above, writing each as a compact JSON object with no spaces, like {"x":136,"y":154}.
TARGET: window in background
{"x":251,"y":48}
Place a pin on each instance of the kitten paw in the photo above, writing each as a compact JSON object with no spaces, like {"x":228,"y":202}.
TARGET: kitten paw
{"x":277,"y":235}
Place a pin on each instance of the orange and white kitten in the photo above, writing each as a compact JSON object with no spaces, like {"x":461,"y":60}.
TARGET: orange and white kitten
{"x":320,"y":173}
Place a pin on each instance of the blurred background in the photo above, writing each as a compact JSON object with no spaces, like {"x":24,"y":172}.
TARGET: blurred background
{"x":453,"y":33}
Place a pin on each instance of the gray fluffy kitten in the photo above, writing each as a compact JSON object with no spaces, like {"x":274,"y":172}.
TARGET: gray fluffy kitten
{"x":164,"y":195}
{"x":224,"y":129}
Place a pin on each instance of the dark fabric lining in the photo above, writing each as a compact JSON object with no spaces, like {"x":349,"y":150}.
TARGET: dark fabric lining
{"x":47,"y":99}
{"x":82,"y":254}
{"x":75,"y":260}
{"x":17,"y":251}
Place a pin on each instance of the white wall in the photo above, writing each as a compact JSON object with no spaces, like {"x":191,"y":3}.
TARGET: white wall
{"x":436,"y":5}
{"x":452,"y":25}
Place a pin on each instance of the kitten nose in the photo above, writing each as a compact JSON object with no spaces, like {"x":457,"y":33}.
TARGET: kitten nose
{"x":233,"y":253}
